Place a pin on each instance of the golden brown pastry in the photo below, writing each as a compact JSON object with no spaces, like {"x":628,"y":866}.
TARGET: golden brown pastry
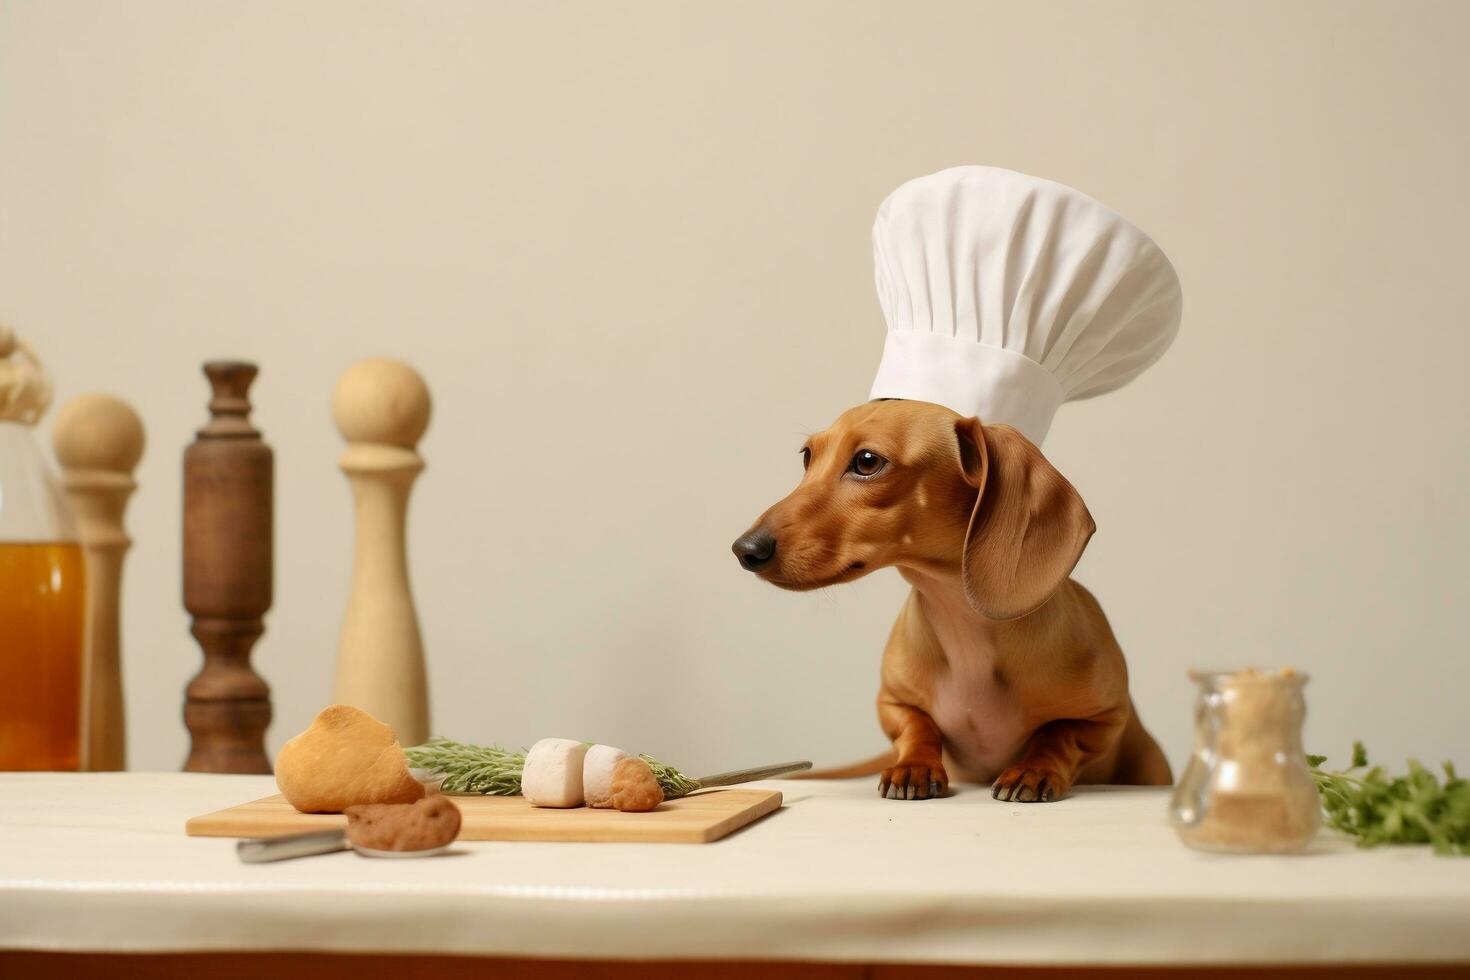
{"x":346,"y":757}
{"x":431,"y":822}
{"x":634,"y":788}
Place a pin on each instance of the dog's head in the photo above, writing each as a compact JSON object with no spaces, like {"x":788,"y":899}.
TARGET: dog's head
{"x":912,"y":483}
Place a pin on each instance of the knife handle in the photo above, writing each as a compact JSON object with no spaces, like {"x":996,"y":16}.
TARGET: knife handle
{"x":751,"y":775}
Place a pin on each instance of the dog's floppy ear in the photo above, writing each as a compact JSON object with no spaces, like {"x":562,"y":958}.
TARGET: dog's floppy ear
{"x":1029,"y":524}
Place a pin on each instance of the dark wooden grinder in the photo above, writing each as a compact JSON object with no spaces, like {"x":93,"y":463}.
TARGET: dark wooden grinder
{"x":228,"y":502}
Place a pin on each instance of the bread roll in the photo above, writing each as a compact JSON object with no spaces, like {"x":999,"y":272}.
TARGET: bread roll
{"x":345,"y":758}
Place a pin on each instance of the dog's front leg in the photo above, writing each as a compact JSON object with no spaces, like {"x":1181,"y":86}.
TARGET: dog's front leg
{"x":1053,"y":756}
{"x":919,"y":772}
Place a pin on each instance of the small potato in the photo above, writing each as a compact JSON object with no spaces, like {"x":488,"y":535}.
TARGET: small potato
{"x":634,"y":788}
{"x":431,"y":822}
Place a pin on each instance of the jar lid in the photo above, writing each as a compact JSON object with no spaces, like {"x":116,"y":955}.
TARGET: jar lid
{"x":1248,"y":675}
{"x":25,"y":387}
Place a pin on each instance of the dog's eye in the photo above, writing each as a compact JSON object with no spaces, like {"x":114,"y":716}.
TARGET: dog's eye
{"x":806,"y":457}
{"x":867,"y":463}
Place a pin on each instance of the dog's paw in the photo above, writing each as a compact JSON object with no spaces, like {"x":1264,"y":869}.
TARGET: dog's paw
{"x":1018,"y":785}
{"x":913,"y":781}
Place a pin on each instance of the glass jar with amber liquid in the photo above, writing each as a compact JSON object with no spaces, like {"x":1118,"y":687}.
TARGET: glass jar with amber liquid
{"x":42,"y":583}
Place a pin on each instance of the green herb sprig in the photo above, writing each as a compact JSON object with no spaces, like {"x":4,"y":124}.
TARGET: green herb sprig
{"x":673,"y":782}
{"x":485,"y":769}
{"x":490,"y":770}
{"x":1411,"y":809}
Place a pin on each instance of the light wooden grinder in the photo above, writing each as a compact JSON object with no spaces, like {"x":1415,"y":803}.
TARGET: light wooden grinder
{"x":98,"y":441}
{"x":381,"y":407}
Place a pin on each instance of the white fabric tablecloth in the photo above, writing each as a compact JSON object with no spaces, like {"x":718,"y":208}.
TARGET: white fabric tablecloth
{"x":100,"y":863}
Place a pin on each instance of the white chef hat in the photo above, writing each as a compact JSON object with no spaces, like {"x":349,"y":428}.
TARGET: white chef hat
{"x":1006,"y":295}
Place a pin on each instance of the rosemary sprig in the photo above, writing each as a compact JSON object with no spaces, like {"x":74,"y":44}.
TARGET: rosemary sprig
{"x":1409,"y":809}
{"x":674,"y":783}
{"x":485,"y":769}
{"x":492,"y":771}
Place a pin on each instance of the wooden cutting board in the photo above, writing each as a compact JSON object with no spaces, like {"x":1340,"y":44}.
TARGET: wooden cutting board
{"x":696,"y":819}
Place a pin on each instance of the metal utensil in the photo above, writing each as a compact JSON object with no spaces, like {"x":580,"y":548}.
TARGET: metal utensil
{"x":262,"y":850}
{"x":751,"y":775}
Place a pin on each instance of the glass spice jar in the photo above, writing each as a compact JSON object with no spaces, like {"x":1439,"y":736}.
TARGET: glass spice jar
{"x":42,"y":583}
{"x":1248,"y":788}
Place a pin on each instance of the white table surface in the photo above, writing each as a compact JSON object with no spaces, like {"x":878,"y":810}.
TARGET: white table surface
{"x":100,"y":862}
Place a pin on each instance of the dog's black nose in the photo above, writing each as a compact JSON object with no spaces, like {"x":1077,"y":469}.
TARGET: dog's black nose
{"x":755,"y":549}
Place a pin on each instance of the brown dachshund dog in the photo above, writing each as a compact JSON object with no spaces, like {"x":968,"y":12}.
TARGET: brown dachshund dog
{"x":1000,"y":669}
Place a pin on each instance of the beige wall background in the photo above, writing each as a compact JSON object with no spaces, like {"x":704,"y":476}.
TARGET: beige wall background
{"x":627,"y":245}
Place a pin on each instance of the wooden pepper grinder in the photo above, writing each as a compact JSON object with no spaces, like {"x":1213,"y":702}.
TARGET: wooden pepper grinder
{"x":381,"y":408}
{"x":98,"y":441}
{"x":228,"y":490}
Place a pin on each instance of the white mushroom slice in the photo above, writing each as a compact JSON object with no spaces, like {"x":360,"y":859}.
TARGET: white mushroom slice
{"x":553,"y":773}
{"x":597,"y":774}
